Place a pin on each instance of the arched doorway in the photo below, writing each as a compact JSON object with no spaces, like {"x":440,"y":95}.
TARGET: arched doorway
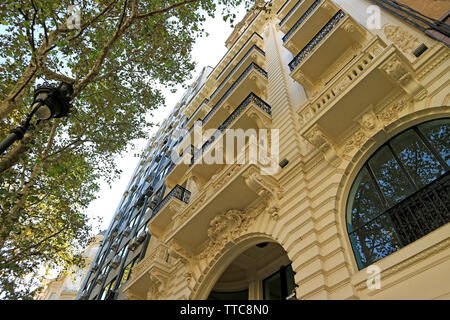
{"x":261,"y":272}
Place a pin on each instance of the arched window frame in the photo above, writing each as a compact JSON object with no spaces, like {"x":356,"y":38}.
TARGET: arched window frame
{"x":444,"y":178}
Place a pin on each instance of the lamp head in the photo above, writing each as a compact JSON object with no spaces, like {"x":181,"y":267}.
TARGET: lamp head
{"x":51,"y":101}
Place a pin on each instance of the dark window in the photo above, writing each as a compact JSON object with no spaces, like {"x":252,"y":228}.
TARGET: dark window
{"x":231,"y":295}
{"x":401,"y":193}
{"x":279,"y":285}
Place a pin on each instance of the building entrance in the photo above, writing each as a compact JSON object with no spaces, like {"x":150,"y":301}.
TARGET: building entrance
{"x":262,"y":272}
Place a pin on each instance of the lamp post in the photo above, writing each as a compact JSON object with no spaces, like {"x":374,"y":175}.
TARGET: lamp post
{"x":49,"y":102}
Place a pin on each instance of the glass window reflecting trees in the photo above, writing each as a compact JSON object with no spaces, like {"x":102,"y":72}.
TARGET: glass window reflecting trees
{"x":401,"y":193}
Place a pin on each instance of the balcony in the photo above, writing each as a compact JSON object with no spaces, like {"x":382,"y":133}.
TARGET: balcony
{"x":285,"y":8}
{"x":252,"y":79}
{"x":306,"y":19}
{"x":339,"y":40}
{"x":163,"y":213}
{"x":377,"y":73}
{"x":199,"y":113}
{"x":149,"y":275}
{"x":253,"y":54}
{"x":234,"y":197}
{"x":176,"y":172}
{"x":252,"y":113}
{"x":254,"y":40}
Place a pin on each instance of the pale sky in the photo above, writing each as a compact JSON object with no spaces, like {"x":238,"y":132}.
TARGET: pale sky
{"x":207,"y":51}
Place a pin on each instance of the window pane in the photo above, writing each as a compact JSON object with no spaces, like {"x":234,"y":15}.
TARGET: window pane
{"x":417,"y":159}
{"x":374,"y":241}
{"x":272,"y":287}
{"x":290,"y":282}
{"x":364,"y":201}
{"x":438,"y":132}
{"x":390,"y":178}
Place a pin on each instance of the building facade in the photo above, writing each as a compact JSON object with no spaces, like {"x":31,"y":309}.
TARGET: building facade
{"x":67,"y":286}
{"x":350,"y":101}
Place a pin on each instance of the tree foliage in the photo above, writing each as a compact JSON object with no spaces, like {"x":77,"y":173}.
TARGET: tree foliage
{"x":118,"y":59}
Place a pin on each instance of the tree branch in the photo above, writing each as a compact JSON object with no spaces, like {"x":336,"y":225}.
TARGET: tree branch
{"x":176,"y":5}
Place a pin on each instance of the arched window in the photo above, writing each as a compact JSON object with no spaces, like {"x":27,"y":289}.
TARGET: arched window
{"x":401,"y":193}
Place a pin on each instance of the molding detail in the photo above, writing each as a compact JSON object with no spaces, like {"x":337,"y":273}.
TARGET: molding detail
{"x":372,"y":122}
{"x":405,"y":41}
{"x":154,"y":271}
{"x":400,"y":72}
{"x":410,"y":261}
{"x":322,"y":142}
{"x":266,"y":188}
{"x":391,"y":112}
{"x":227,"y":227}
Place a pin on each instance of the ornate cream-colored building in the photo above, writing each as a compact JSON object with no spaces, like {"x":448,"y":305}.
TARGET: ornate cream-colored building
{"x":359,"y":206}
{"x":66,"y":286}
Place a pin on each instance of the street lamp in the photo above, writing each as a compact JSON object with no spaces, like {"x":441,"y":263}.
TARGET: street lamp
{"x":49,"y":102}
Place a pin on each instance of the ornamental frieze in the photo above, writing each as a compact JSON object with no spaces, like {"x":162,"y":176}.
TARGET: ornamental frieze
{"x":405,"y":41}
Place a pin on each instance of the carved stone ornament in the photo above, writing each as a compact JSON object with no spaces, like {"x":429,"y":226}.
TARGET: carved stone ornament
{"x":320,"y":141}
{"x":353,"y":143}
{"x":229,"y":226}
{"x":391,"y":113}
{"x":350,"y":27}
{"x":396,"y":69}
{"x":369,"y":121}
{"x":154,"y":291}
{"x":179,"y":252}
{"x":266,"y":188}
{"x":401,"y":73}
{"x":221,"y":227}
{"x":405,"y":41}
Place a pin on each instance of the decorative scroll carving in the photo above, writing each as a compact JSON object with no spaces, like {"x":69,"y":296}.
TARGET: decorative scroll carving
{"x":401,"y":73}
{"x":353,"y":143}
{"x":320,"y":140}
{"x":227,"y":227}
{"x":391,"y":112}
{"x":405,"y":41}
{"x":370,"y":123}
{"x":221,"y":227}
{"x":350,"y":27}
{"x":396,"y":69}
{"x":180,"y":252}
{"x":265,"y":188}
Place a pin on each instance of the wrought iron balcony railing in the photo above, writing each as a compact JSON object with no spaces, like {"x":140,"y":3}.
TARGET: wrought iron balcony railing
{"x":253,"y":48}
{"x":301,"y":19}
{"x":423,"y":211}
{"x":317,"y":39}
{"x":251,"y":98}
{"x":252,"y":66}
{"x":255,"y":34}
{"x":290,"y":12}
{"x":409,"y":220}
{"x":177,"y":192}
